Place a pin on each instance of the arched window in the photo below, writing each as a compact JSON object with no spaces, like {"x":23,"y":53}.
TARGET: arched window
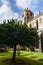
{"x":31,"y":14}
{"x":27,"y":14}
{"x":30,"y":25}
{"x":37,"y":24}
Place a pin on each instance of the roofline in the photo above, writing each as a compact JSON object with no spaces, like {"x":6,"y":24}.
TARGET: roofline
{"x":37,"y":16}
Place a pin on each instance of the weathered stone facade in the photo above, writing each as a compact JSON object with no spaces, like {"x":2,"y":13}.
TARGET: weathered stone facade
{"x":34,"y":21}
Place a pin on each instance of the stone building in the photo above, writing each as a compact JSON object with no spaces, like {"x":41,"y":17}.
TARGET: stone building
{"x":35,"y":21}
{"x":27,"y":15}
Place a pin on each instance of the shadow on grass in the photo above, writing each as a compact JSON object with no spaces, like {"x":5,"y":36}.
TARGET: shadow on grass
{"x":41,"y":60}
{"x":23,"y":61}
{"x":33,"y":56}
{"x":16,"y":62}
{"x":22,"y":54}
{"x":31,"y":62}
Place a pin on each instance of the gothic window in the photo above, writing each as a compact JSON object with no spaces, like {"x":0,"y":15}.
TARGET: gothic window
{"x":27,"y":13}
{"x":37,"y":24}
{"x":31,"y":14}
{"x":30,"y":25}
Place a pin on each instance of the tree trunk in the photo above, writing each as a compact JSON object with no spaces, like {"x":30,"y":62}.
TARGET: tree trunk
{"x":14,"y":53}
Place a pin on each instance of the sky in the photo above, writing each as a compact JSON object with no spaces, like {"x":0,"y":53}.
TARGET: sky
{"x":14,"y":8}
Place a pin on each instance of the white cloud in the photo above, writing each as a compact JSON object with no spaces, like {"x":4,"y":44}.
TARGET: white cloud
{"x":31,"y":4}
{"x":23,"y":3}
{"x":6,"y":12}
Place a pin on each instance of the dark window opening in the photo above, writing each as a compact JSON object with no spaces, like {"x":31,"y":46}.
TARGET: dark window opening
{"x":37,"y":24}
{"x":27,"y":14}
{"x":31,"y":14}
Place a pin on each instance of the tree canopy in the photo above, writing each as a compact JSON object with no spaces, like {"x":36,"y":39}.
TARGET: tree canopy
{"x":13,"y":33}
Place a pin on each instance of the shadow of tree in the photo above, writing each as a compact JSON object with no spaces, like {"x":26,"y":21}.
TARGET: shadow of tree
{"x":27,"y":61}
{"x":22,"y":54}
{"x":33,"y":56}
{"x":16,"y":62}
{"x":30,"y":61}
{"x":41,"y":60}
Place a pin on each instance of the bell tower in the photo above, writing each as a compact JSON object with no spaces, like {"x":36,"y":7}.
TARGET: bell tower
{"x":27,"y":15}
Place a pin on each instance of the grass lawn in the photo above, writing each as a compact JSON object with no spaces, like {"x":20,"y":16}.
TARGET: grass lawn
{"x":34,"y":58}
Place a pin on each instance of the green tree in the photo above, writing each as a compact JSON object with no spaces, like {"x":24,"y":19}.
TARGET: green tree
{"x":14,"y":33}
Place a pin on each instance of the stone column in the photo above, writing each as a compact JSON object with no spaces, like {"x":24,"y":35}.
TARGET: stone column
{"x":40,"y":49}
{"x":40,"y":46}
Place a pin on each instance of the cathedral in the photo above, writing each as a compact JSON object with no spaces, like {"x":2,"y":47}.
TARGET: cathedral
{"x":35,"y":21}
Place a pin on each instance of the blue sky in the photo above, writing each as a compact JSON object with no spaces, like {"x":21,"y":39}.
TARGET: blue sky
{"x":14,"y":8}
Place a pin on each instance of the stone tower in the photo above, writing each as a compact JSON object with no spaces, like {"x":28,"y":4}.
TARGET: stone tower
{"x":27,"y":15}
